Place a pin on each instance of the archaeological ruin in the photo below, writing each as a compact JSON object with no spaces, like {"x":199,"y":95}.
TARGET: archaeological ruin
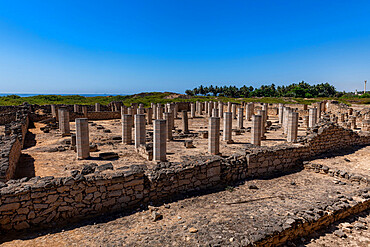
{"x":61,"y":164}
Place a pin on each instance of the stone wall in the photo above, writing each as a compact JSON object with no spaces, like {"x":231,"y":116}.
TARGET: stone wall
{"x":11,"y":144}
{"x":47,"y":201}
{"x":6,"y":118}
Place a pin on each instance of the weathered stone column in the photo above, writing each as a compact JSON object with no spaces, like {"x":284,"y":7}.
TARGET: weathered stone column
{"x":263,"y":123}
{"x":214,"y":112}
{"x":286,"y":112}
{"x":318,"y":111}
{"x":265,"y":107}
{"x":281,"y":113}
{"x":84,"y":110}
{"x":227,"y":132}
{"x":64,"y":121}
{"x":76,"y":108}
{"x":53,"y":109}
{"x":154,"y":107}
{"x":167,"y":117}
{"x":159,"y":112}
{"x":240,"y":118}
{"x":159,"y":140}
{"x":210,"y":107}
{"x":352,"y":121}
{"x":256,"y":130}
{"x":149,"y":115}
{"x":220,"y":109}
{"x":249,"y":112}
{"x":229,"y":106}
{"x":141,"y":110}
{"x":139,"y":130}
{"x":192,"y":110}
{"x":97,"y":107}
{"x":305,"y":121}
{"x":233,"y":111}
{"x":134,"y":108}
{"x":214,"y":136}
{"x":127,"y":128}
{"x":175,"y":110}
{"x":292,"y":127}
{"x":82,"y":138}
{"x":185,"y":122}
{"x":312,"y":117}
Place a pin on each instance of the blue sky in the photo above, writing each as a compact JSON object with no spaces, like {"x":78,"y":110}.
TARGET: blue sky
{"x":134,"y":46}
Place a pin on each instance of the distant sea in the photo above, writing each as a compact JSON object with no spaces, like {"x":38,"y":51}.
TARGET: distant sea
{"x":81,"y":94}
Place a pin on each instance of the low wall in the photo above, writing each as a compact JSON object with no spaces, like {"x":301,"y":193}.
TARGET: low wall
{"x":47,"y":201}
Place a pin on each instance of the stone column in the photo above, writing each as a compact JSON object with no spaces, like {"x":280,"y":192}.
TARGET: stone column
{"x":185,"y":122}
{"x":159,"y":140}
{"x":286,"y":111}
{"x":318,"y":111}
{"x":140,"y":110}
{"x":76,"y":108}
{"x":263,"y":123}
{"x":154,"y":107}
{"x":134,"y":108}
{"x":265,"y":107}
{"x":97,"y":107}
{"x":64,"y":121}
{"x":192,"y":110}
{"x":84,"y":110}
{"x":249,"y":112}
{"x":281,"y":113}
{"x":159,"y":112}
{"x":227,"y":132}
{"x":214,"y":112}
{"x":256,"y":130}
{"x":229,"y":107}
{"x":220,"y":109}
{"x":139,"y":130}
{"x":214,"y":136}
{"x":210,"y":107}
{"x":352,"y":121}
{"x":175,"y":110}
{"x":305,"y":121}
{"x":312,"y":117}
{"x":233,"y":111}
{"x":292,"y":127}
{"x":53,"y":110}
{"x":240,"y":118}
{"x":167,"y":117}
{"x":82,"y":138}
{"x":149,"y":115}
{"x":127,"y":129}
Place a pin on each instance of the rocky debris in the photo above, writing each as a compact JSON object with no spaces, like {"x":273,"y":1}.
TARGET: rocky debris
{"x":108,"y":155}
{"x":156,"y":216}
{"x":189,"y":144}
{"x":93,"y":148}
{"x":340,"y":234}
{"x":253,"y":187}
{"x":193,"y":230}
{"x":89,"y":168}
{"x":107,"y":131}
{"x":108,"y":166}
{"x":117,"y":138}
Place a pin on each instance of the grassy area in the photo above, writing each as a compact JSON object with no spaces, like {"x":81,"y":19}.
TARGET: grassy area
{"x":156,"y":97}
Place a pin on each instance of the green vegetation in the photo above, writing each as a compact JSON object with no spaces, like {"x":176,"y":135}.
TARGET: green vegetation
{"x":300,"y":90}
{"x":156,"y":97}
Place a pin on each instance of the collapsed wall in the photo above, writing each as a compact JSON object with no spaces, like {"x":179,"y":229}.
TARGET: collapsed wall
{"x":48,"y":201}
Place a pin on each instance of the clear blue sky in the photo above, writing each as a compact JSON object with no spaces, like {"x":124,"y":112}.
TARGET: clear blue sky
{"x":133,"y":46}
